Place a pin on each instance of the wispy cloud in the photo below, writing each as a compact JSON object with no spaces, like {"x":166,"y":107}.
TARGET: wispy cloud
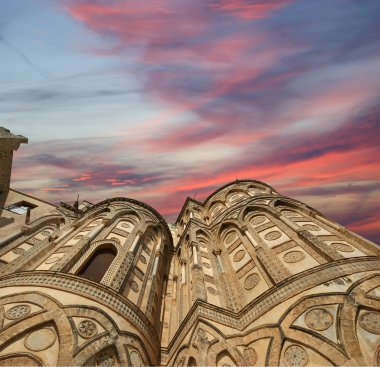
{"x":282,"y":91}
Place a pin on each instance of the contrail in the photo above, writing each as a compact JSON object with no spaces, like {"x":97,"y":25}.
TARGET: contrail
{"x":25,"y":58}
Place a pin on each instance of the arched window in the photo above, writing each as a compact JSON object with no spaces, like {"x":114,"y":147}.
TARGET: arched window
{"x":192,"y":362}
{"x":98,"y":263}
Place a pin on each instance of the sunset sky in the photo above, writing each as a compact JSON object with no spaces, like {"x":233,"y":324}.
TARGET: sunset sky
{"x":159,"y":100}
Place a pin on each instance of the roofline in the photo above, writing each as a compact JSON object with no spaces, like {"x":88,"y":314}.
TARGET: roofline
{"x":234,"y":182}
{"x":217,"y":190}
{"x":137,"y":202}
{"x":184,"y":206}
{"x":33,"y":197}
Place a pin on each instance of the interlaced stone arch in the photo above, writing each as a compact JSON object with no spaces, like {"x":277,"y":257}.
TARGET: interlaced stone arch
{"x":52,"y":315}
{"x":211,"y":211}
{"x":95,"y":247}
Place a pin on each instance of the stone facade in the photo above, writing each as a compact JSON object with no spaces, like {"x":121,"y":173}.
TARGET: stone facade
{"x":246,"y":278}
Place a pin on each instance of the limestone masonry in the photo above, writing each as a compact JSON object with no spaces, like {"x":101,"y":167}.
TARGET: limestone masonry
{"x":246,"y":278}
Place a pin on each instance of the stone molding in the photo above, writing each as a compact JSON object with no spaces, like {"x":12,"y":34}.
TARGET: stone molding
{"x":87,"y":289}
{"x":283,"y":291}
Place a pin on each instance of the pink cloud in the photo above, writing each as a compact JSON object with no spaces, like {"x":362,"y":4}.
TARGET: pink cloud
{"x":250,"y":9}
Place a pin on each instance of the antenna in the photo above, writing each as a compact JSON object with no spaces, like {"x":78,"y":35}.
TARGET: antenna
{"x":76,"y":204}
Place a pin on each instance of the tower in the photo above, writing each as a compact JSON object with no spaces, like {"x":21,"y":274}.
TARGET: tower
{"x":260,"y":279}
{"x":8,"y":143}
{"x":247,"y":277}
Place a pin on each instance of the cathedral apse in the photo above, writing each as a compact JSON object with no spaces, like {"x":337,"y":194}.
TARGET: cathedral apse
{"x":247,"y":277}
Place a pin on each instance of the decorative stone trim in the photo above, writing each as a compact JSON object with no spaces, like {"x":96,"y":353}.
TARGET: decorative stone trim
{"x":319,"y":245}
{"x":17,"y":312}
{"x":87,"y":329}
{"x":295,"y":356}
{"x":318,"y":319}
{"x":86,"y":289}
{"x":291,"y":286}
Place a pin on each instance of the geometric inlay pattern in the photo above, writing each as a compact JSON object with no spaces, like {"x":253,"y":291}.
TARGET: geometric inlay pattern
{"x":341,"y":247}
{"x":251,"y":281}
{"x":104,"y":359}
{"x":258,"y":220}
{"x":295,"y":356}
{"x":310,"y":227}
{"x":17,"y":312}
{"x":230,"y":238}
{"x":134,"y":286}
{"x":40,"y":339}
{"x":239,"y":256}
{"x":87,"y":329}
{"x":318,"y":319}
{"x":294,"y":256}
{"x":370,"y":321}
{"x":289,"y":213}
{"x":18,"y":251}
{"x":52,"y":260}
{"x":274,"y":235}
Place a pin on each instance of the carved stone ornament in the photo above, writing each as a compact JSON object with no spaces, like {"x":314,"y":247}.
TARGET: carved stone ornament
{"x":311,"y":227}
{"x":143,"y":259}
{"x":17,"y":312}
{"x":125,"y":225}
{"x":211,"y":290}
{"x":238,"y":256}
{"x":18,"y":251}
{"x":258,"y":220}
{"x":40,"y":339}
{"x":318,"y":319}
{"x":52,"y":260}
{"x":274,"y":235}
{"x":87,"y":329}
{"x":293,"y":256}
{"x":201,"y":333}
{"x":295,"y":356}
{"x":289,"y":213}
{"x":104,"y":359}
{"x":341,"y":247}
{"x":251,"y":281}
{"x":134,"y":286}
{"x":231,"y":237}
{"x":370,"y":321}
{"x":250,"y":355}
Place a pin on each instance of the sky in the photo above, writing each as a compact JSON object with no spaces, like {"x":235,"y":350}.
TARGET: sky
{"x":164,"y":99}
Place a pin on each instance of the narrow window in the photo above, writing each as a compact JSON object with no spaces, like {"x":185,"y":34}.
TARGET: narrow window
{"x":98,"y":263}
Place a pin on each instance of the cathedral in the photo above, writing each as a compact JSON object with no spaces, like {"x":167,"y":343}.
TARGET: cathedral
{"x":247,"y":277}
